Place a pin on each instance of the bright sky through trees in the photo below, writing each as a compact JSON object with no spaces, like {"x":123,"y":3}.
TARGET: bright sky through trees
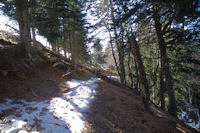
{"x":5,"y":21}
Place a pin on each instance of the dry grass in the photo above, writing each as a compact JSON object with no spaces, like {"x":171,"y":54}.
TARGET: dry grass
{"x":118,"y":110}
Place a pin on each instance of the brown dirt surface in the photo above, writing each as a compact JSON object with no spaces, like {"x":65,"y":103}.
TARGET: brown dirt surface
{"x":117,"y":110}
{"x":114,"y":110}
{"x":44,"y":82}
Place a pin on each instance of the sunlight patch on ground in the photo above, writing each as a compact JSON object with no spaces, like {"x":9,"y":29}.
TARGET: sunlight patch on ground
{"x":65,"y":114}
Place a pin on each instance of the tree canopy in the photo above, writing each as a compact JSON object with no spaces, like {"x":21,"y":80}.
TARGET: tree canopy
{"x":154,"y":43}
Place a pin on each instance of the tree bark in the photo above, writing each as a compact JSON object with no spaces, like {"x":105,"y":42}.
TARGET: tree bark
{"x":73,"y":48}
{"x":57,"y":47}
{"x":136,"y":72}
{"x":65,"y":49}
{"x":23,"y":20}
{"x":142,"y":74}
{"x":65,"y":44}
{"x":165,"y":65}
{"x":120,"y":48}
{"x":121,"y":58}
{"x":129,"y":69}
{"x":53,"y":47}
{"x":113,"y":54}
{"x":121,"y":66}
{"x":162,"y":89}
{"x":74,"y":45}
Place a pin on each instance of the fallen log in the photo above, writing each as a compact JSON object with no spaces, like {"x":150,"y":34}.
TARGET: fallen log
{"x":94,"y":71}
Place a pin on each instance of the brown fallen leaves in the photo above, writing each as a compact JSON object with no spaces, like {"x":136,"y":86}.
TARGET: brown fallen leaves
{"x":7,"y":112}
{"x":43,"y":112}
{"x":5,"y":121}
{"x":37,"y":124}
{"x":31,"y":109}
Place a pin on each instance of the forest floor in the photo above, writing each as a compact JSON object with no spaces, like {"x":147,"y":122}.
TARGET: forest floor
{"x":117,"y":110}
{"x":48,"y":99}
{"x":44,"y":101}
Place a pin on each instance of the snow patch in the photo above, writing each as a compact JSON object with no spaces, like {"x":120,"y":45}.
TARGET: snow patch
{"x":65,"y":114}
{"x":192,"y":117}
{"x":115,"y":77}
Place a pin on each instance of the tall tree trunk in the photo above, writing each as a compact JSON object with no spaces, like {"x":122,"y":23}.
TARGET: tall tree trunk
{"x":65,"y":44}
{"x":23,"y":20}
{"x":113,"y":53}
{"x":70,"y":44}
{"x":121,"y":67}
{"x":65,"y":49}
{"x":154,"y":95}
{"x":120,"y":49}
{"x":121,"y":58}
{"x":73,"y":48}
{"x":53,"y":47}
{"x":142,"y":74}
{"x":162,"y":88}
{"x":57,"y":47}
{"x":129,"y":69}
{"x":136,"y":72}
{"x":165,"y":64}
{"x":112,"y":48}
{"x":73,"y":41}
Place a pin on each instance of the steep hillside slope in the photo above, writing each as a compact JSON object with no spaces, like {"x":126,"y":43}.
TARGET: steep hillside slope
{"x":118,"y":110}
{"x":114,"y":109}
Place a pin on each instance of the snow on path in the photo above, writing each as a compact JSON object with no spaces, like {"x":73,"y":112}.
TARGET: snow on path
{"x":65,"y":114}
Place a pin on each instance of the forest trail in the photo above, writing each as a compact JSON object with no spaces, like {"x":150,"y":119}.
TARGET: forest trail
{"x":85,"y":104}
{"x":64,"y":114}
{"x":44,"y":100}
{"x":142,"y":58}
{"x":117,"y":110}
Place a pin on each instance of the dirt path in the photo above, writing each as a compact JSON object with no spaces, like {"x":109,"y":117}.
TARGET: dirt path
{"x":61,"y":114}
{"x":62,"y":106}
{"x":116,"y":110}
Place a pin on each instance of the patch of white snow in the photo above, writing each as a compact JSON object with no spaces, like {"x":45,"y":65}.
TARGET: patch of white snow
{"x":192,"y":119}
{"x":65,"y":114}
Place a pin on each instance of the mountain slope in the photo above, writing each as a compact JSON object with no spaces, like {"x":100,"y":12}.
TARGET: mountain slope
{"x":114,"y":109}
{"x":118,"y":110}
